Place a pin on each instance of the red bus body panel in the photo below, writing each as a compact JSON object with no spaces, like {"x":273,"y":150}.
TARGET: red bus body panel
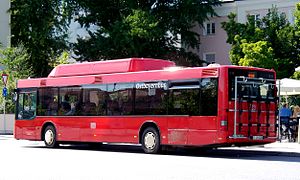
{"x":174,"y":130}
{"x":177,"y":130}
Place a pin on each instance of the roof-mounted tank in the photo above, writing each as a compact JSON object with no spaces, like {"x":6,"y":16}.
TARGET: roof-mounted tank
{"x":109,"y":67}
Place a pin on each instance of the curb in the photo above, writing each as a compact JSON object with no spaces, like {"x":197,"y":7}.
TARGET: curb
{"x":266,"y":152}
{"x":6,"y":137}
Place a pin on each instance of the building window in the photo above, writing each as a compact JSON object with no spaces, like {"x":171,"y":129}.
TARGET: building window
{"x":210,"y":29}
{"x":255,"y":18}
{"x":209,"y":58}
{"x":291,"y":16}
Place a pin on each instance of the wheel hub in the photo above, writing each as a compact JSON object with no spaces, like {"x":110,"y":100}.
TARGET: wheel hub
{"x":49,"y":136}
{"x":150,"y":140}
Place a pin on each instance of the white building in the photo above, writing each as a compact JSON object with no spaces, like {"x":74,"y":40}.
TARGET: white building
{"x":5,"y":31}
{"x":213,"y":47}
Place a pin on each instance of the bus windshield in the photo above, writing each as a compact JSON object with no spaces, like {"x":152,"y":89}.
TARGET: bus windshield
{"x":257,"y":85}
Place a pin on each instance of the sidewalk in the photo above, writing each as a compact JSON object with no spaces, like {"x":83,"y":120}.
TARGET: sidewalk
{"x":276,"y":148}
{"x":6,"y":137}
{"x":283,"y":146}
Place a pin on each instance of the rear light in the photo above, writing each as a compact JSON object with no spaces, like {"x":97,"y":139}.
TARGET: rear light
{"x":251,"y":75}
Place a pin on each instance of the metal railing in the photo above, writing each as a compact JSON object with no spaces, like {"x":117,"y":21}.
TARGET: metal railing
{"x":245,"y":80}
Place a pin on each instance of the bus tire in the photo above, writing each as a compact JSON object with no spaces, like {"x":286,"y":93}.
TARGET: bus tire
{"x":95,"y":145}
{"x":50,"y":137}
{"x":151,"y":140}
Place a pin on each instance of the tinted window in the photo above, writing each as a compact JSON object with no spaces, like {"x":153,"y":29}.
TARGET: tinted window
{"x":184,"y":98}
{"x":94,"y":100}
{"x":48,"y":102}
{"x":120,"y":99}
{"x":150,"y":98}
{"x":259,"y":86}
{"x":70,"y":101}
{"x":209,"y":97}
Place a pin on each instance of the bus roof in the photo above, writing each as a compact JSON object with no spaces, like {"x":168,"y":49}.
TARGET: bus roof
{"x":126,"y":70}
{"x":109,"y":67}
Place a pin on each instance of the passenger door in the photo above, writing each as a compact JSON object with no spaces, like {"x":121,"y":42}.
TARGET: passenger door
{"x":183,"y":103}
{"x":26,"y":113}
{"x":203,"y":126}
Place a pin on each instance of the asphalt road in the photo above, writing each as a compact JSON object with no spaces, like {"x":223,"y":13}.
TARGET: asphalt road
{"x":31,"y":160}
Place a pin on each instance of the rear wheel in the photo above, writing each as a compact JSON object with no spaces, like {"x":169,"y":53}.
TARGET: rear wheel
{"x":150,"y":140}
{"x":50,"y":136}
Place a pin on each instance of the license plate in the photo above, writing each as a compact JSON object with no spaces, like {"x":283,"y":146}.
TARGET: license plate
{"x":258,"y":137}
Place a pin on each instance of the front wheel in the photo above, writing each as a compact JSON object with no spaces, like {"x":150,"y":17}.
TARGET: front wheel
{"x":150,"y":140}
{"x":50,"y":137}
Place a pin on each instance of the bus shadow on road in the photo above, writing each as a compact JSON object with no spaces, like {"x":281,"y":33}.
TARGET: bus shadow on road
{"x":254,"y":155}
{"x":191,"y":152}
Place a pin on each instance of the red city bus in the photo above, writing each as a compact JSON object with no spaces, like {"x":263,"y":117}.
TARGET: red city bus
{"x":149,"y":102}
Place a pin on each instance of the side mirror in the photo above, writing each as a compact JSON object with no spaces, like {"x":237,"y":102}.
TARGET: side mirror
{"x":15,"y":95}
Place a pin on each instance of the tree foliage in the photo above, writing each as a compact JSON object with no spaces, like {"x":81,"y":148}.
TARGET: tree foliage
{"x":125,"y":28}
{"x":41,"y":26}
{"x":296,"y":75}
{"x":15,"y":62}
{"x":139,"y":28}
{"x":270,"y":42}
{"x":257,"y":54}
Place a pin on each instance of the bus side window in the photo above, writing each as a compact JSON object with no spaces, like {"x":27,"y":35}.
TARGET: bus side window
{"x":209,"y":97}
{"x":113,"y":107}
{"x":88,"y":108}
{"x":47,"y":101}
{"x":120,"y":99}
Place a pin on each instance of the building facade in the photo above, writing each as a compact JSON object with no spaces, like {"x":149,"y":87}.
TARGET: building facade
{"x":5,"y":31}
{"x":213,"y":47}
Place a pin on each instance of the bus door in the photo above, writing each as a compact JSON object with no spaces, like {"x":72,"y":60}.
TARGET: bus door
{"x":183,"y":102}
{"x":252,"y":108}
{"x":202,"y":122}
{"x":197,"y":100}
{"x":26,"y":113}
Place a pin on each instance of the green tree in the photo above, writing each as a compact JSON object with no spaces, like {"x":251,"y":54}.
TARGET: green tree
{"x":258,"y":54}
{"x":139,"y":28}
{"x":297,"y":29}
{"x":62,"y":59}
{"x":296,"y":75}
{"x":269,"y":42}
{"x":15,"y":61}
{"x":41,"y":26}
